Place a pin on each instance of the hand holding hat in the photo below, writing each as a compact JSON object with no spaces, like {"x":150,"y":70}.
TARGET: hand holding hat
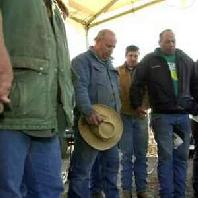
{"x":107,"y":133}
{"x":94,"y":118}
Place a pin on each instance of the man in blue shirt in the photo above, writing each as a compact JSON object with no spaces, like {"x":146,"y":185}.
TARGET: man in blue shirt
{"x":97,"y":84}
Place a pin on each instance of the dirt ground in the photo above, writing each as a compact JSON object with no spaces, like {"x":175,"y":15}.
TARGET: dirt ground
{"x":152,"y":178}
{"x":153,"y":181}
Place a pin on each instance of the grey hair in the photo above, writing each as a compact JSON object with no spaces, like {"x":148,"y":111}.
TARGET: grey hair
{"x":101,"y":34}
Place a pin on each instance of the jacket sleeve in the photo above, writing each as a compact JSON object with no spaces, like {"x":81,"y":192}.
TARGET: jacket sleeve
{"x":137,"y":89}
{"x":80,"y":65}
{"x":194,"y":82}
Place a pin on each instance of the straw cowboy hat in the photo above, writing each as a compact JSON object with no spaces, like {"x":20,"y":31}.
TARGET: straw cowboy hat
{"x":107,"y":134}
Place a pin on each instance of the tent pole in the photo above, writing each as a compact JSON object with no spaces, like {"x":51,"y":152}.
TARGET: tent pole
{"x":86,"y":36}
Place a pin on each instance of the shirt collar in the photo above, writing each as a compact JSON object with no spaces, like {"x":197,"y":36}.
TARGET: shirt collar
{"x":98,"y":58}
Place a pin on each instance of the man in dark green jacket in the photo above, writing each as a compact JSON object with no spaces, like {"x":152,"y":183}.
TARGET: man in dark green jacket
{"x":34,"y":53}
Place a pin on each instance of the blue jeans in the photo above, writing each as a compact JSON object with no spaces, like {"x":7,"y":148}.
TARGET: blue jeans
{"x":29,"y":167}
{"x":96,"y":176}
{"x":172,"y":163}
{"x":194,"y":125}
{"x":83,"y":158}
{"x":134,"y":145}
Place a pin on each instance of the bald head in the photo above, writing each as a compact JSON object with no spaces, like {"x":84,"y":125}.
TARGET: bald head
{"x":167,"y":42}
{"x":104,"y":33}
{"x":105,"y":42}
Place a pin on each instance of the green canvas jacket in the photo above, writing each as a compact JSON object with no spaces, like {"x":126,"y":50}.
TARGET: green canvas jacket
{"x":39,"y":55}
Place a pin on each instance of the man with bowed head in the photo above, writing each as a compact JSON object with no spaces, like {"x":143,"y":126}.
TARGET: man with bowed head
{"x":168,"y":74}
{"x":134,"y":141}
{"x":97,"y":83}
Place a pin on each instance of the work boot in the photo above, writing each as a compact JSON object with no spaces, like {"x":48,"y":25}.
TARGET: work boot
{"x":126,"y":194}
{"x":142,"y":195}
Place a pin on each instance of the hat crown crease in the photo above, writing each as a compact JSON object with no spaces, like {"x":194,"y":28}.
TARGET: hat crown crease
{"x":105,"y":130}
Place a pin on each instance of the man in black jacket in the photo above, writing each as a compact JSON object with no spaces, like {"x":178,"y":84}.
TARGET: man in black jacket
{"x":167,"y":73}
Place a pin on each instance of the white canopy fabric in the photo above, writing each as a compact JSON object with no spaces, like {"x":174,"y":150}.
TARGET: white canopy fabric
{"x":90,"y":13}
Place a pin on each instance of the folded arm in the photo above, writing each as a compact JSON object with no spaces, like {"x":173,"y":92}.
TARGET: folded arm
{"x":137,"y":90}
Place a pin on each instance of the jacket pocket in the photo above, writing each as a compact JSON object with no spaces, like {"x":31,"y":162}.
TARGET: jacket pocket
{"x":30,"y":90}
{"x":100,"y":85}
{"x":104,"y":82}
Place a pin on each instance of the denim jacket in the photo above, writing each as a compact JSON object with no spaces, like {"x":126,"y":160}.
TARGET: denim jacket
{"x":97,"y":82}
